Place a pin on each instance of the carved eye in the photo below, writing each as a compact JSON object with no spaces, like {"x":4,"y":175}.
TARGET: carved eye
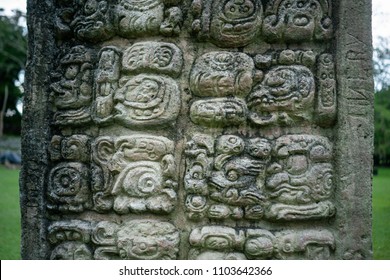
{"x":300,"y":4}
{"x":197,"y":172}
{"x":324,"y":76}
{"x":232,"y":175}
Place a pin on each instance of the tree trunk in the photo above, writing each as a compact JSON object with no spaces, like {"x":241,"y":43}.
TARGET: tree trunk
{"x":3,"y":108}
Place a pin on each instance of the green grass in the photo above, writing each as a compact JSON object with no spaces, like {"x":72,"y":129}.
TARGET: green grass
{"x":381,"y":215}
{"x":10,"y":214}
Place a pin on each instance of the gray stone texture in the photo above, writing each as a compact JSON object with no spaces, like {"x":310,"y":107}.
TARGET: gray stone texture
{"x":198,"y":129}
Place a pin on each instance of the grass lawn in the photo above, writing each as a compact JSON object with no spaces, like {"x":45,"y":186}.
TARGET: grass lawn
{"x":381,"y":215}
{"x":10,"y":216}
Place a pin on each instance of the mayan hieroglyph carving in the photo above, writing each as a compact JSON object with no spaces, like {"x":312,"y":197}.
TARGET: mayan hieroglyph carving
{"x":296,"y":20}
{"x":197,"y":129}
{"x":233,"y":23}
{"x":290,"y":178}
{"x":135,"y":240}
{"x":134,"y":174}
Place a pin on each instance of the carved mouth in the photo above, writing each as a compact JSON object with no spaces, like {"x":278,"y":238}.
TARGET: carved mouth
{"x":237,"y":29}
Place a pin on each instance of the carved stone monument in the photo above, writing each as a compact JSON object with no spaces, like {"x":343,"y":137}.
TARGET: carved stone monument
{"x":198,"y":129}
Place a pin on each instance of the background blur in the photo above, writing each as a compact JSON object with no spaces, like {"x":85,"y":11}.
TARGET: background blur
{"x":13,"y":49}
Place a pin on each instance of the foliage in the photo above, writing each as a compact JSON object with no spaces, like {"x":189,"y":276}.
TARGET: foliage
{"x":382,"y":128}
{"x":13,"y":53}
{"x":381,"y":60}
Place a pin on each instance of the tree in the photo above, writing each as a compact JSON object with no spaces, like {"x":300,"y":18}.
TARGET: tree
{"x":13,"y":53}
{"x":381,"y":59}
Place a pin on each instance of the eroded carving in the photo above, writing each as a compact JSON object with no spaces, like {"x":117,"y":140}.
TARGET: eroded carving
{"x":305,"y":244}
{"x":227,"y":23}
{"x":326,"y":100}
{"x":297,"y":21}
{"x":72,"y":148}
{"x":219,"y":112}
{"x":300,"y":179}
{"x":71,"y":238}
{"x":106,"y":83}
{"x":138,"y":240}
{"x":221,"y":242}
{"x":236,"y":178}
{"x":93,"y":22}
{"x":226,"y":182}
{"x":69,"y":188}
{"x":137,"y":174}
{"x":73,"y":92}
{"x":147,"y":17}
{"x":284,"y":97}
{"x":160,"y":58}
{"x":147,"y":100}
{"x":221,"y":74}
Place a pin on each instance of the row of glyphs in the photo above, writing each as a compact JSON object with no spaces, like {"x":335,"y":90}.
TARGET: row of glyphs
{"x":274,"y":89}
{"x":290,"y":178}
{"x":115,"y":89}
{"x":236,"y":23}
{"x":278,"y":89}
{"x":128,"y":174}
{"x":152,"y":240}
{"x":100,"y":20}
{"x":226,"y":23}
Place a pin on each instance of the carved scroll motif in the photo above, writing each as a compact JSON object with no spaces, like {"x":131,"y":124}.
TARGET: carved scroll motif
{"x":286,"y":179}
{"x":137,"y":174}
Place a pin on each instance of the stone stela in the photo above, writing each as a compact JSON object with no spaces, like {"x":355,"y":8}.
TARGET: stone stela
{"x":198,"y":129}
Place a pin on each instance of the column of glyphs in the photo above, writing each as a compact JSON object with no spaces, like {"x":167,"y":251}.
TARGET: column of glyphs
{"x":250,"y":67}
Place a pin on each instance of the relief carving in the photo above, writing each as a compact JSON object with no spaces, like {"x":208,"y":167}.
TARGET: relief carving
{"x":72,"y":148}
{"x":106,"y":83}
{"x":290,"y":178}
{"x":284,"y":97}
{"x":222,"y":74}
{"x":305,"y":244}
{"x":227,"y":23}
{"x":228,"y":182}
{"x":138,"y":18}
{"x":219,"y":112}
{"x":297,"y":21}
{"x":326,"y":100}
{"x":146,"y":100}
{"x":73,"y":92}
{"x":93,"y":21}
{"x":156,"y":57}
{"x":300,"y":178}
{"x":137,"y":174}
{"x":69,"y":189}
{"x":70,"y":238}
{"x":226,"y":243}
{"x":137,"y":240}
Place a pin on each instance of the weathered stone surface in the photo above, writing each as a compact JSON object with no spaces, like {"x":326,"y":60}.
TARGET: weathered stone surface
{"x":198,"y":129}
